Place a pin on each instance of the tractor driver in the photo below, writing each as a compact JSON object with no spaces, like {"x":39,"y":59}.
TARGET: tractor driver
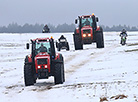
{"x":87,"y":22}
{"x":42,"y":48}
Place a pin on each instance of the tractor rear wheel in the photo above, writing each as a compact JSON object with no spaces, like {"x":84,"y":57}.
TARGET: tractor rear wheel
{"x":58,"y":48}
{"x":67,"y":46}
{"x":77,"y":42}
{"x":62,"y":59}
{"x":99,"y":39}
{"x":59,"y":76}
{"x":28,"y":75}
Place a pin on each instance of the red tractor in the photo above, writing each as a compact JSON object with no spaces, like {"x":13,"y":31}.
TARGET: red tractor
{"x":43,"y":62}
{"x":88,"y":32}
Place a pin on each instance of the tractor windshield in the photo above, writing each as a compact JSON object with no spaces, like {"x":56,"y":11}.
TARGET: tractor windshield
{"x":86,"y":22}
{"x":42,"y":47}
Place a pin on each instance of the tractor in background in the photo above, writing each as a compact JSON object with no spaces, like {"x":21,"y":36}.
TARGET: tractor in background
{"x":88,"y":32}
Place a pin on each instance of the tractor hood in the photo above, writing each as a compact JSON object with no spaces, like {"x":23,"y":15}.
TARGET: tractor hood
{"x":42,"y":61}
{"x":42,"y":55}
{"x":86,"y":27}
{"x":86,"y":30}
{"x":87,"y":33}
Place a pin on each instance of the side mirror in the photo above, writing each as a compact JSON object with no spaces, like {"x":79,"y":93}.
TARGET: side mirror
{"x":97,"y":20}
{"x":76,"y":21}
{"x":27,"y":46}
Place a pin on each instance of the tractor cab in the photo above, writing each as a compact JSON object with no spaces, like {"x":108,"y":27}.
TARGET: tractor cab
{"x":42,"y":47}
{"x":88,"y":20}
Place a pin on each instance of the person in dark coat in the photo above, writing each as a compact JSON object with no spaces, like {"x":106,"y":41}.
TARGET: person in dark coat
{"x":123,"y":33}
{"x":46,"y":29}
{"x":42,"y":48}
{"x":87,"y":22}
{"x":62,"y":37}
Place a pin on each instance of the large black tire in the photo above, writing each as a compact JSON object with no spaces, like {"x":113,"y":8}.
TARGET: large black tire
{"x":77,"y":42}
{"x":59,"y":76}
{"x":59,"y":47}
{"x":62,"y":59}
{"x":26,"y":61}
{"x":67,"y":46}
{"x":28,"y":75}
{"x":99,"y":39}
{"x":56,"y":44}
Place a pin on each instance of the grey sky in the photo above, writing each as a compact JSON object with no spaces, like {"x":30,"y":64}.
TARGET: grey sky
{"x":110,"y":12}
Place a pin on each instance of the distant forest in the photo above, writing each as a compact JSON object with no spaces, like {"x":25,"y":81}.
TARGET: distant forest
{"x":37,"y":28}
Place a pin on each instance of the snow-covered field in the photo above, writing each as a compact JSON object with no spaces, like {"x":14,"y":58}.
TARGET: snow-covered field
{"x":92,"y":74}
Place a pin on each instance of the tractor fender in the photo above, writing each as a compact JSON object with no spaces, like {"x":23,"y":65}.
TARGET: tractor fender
{"x":77,"y":30}
{"x":28,"y":59}
{"x":99,"y":28}
{"x":59,"y":58}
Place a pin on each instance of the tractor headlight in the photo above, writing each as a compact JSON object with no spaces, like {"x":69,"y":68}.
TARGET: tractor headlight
{"x":39,"y":67}
{"x":45,"y":66}
{"x":84,"y":35}
{"x":89,"y":35}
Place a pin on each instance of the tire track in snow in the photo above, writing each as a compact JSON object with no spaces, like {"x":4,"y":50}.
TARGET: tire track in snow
{"x":70,"y":58}
{"x":73,"y":67}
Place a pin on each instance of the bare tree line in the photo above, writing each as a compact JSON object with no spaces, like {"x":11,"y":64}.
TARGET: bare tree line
{"x":37,"y":28}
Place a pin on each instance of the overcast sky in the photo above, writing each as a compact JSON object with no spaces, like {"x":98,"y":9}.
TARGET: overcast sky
{"x":110,"y":12}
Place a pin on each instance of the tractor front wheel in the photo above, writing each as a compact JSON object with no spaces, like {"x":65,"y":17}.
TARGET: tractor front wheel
{"x":67,"y":46}
{"x":59,"y":76}
{"x":28,"y":75}
{"x":77,"y":42}
{"x":99,"y":39}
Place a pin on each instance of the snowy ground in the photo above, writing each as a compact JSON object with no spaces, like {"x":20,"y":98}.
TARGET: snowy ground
{"x":92,"y":74}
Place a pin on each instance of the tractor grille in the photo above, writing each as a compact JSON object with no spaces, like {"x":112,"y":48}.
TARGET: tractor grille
{"x":88,"y":31}
{"x":41,"y":61}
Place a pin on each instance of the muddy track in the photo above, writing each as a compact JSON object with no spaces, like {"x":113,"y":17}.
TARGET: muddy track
{"x":3,"y":71}
{"x":91,"y":85}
